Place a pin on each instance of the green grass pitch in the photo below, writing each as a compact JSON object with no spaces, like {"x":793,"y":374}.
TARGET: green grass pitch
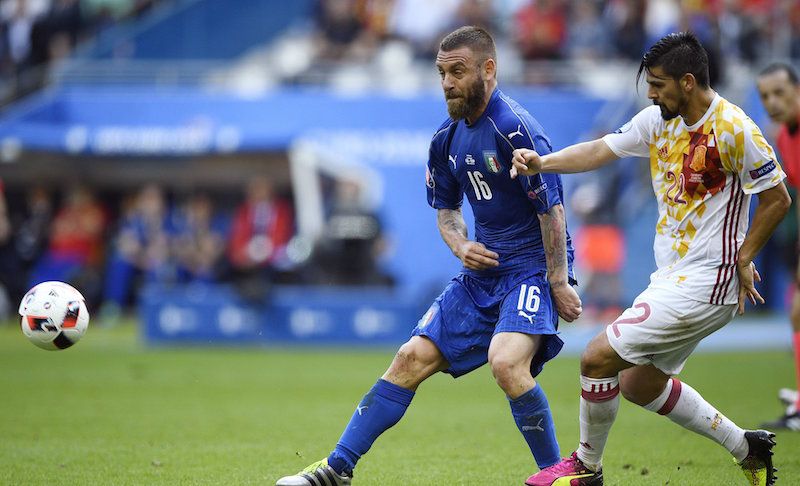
{"x":111,"y":412}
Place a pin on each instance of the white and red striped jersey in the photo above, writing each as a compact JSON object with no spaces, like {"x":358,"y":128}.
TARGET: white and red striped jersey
{"x":703,"y":177}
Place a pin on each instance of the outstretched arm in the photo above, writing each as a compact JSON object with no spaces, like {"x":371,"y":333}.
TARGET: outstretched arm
{"x":472,"y":254}
{"x":773,"y":204}
{"x":554,"y":238}
{"x":581,"y":157}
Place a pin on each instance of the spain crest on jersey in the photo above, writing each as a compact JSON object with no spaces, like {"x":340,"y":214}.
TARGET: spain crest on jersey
{"x":492,"y":162}
{"x":698,"y":163}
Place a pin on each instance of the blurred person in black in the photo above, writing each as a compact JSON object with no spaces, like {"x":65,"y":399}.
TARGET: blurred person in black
{"x":5,"y":238}
{"x":339,"y":29}
{"x":348,"y":249}
{"x":23,"y":240}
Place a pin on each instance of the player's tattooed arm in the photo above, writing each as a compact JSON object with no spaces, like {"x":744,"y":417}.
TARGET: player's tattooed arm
{"x":554,"y":238}
{"x":472,"y":254}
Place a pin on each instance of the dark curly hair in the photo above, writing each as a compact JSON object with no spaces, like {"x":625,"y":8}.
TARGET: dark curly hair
{"x":677,"y":54}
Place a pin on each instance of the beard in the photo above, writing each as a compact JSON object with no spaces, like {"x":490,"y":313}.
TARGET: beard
{"x":470,"y":101}
{"x":666,"y":114}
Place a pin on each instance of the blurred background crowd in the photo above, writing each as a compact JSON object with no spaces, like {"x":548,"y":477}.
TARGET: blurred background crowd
{"x":124,"y":220}
{"x":341,"y":35}
{"x":110,"y":246}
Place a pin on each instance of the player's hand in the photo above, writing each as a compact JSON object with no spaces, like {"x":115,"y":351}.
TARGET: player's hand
{"x":525,"y":162}
{"x":475,"y":256}
{"x":748,"y":276}
{"x":568,"y":304}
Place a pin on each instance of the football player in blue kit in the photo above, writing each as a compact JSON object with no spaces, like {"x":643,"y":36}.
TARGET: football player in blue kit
{"x":517,"y":278}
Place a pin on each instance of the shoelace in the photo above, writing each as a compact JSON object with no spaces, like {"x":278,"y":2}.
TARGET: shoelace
{"x":313,"y":467}
{"x":571,"y":464}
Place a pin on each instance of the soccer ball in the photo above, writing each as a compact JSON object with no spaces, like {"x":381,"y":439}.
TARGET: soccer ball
{"x":54,"y":315}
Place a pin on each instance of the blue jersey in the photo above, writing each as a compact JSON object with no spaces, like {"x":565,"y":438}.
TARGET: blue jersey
{"x":475,"y":160}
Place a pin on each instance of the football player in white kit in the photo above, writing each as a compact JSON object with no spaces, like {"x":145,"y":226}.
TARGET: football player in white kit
{"x":706,"y":160}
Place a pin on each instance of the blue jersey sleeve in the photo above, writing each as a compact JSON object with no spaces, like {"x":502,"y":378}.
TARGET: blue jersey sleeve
{"x":442,"y":187}
{"x":543,"y":190}
{"x":520,"y":131}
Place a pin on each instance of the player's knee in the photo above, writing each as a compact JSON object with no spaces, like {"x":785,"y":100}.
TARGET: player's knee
{"x":593,"y":364}
{"x":599,"y":360}
{"x":506,"y":371}
{"x":414,"y":361}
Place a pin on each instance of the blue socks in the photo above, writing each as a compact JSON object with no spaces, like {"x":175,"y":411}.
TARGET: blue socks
{"x":386,"y":403}
{"x":532,"y":414}
{"x":379,"y":410}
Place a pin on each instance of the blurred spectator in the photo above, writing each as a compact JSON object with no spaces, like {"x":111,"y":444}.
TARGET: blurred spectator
{"x":36,"y":33}
{"x":339,"y":29}
{"x":600,"y":242}
{"x":141,"y":249}
{"x":62,"y":26}
{"x":199,"y":240}
{"x":699,"y":17}
{"x":541,"y":29}
{"x":626,"y":18}
{"x":477,"y":12}
{"x":5,"y":223}
{"x":660,"y":18}
{"x":422,"y":23}
{"x":744,"y":27}
{"x":375,"y":16}
{"x":262,"y":227}
{"x":348,"y":250}
{"x":794,"y":29}
{"x":75,"y":249}
{"x":5,"y":252}
{"x":30,"y":234}
{"x":17,"y":34}
{"x":588,"y":37}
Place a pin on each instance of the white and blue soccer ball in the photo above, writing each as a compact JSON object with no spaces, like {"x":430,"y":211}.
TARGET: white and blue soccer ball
{"x":54,"y":315}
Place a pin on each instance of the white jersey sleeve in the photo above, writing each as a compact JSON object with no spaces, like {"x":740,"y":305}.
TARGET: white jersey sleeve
{"x":756,"y":163}
{"x":633,"y":138}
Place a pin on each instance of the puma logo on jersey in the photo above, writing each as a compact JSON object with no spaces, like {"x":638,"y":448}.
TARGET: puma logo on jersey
{"x":514,"y":134}
{"x":453,"y":159}
{"x":361,"y":409}
{"x":529,"y":317}
{"x":526,"y":428}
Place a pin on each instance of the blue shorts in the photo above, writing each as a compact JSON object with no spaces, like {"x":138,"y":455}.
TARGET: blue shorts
{"x":471,"y":310}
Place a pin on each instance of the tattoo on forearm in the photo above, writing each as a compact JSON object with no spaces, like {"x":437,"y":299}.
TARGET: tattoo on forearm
{"x":451,"y":226}
{"x":554,"y":239}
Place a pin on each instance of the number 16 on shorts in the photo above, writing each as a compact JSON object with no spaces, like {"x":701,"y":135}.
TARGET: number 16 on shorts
{"x":528,"y":301}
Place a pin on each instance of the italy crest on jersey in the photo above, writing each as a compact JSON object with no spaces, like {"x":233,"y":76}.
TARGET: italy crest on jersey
{"x":492,"y":162}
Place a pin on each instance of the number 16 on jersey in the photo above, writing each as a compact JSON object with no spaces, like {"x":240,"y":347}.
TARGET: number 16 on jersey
{"x":528,"y":301}
{"x":481,"y":187}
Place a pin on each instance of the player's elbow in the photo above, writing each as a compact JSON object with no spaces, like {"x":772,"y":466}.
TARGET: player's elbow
{"x":785,"y":202}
